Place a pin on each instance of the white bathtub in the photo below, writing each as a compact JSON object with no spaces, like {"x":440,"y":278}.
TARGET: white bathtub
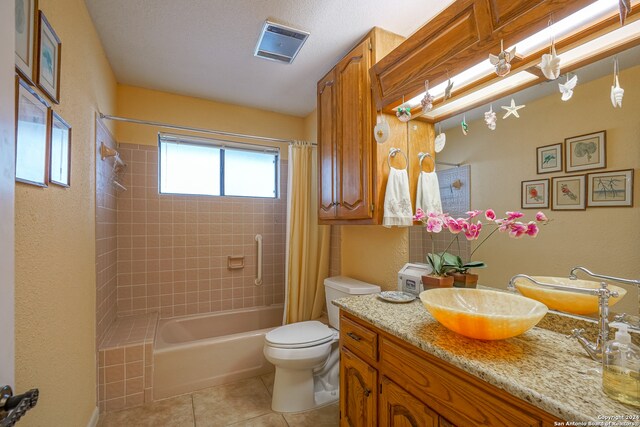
{"x":201,"y":351}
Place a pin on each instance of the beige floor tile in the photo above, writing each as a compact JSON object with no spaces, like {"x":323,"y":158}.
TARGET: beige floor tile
{"x":175,"y":412}
{"x":329,"y":416}
{"x":268,"y":379}
{"x":231,"y":403}
{"x":268,"y":420}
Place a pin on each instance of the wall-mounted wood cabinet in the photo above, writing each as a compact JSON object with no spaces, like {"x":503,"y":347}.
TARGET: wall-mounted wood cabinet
{"x":405,"y":386}
{"x":349,"y":159}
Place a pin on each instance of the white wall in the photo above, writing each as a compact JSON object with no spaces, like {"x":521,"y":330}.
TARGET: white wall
{"x":7,"y":132}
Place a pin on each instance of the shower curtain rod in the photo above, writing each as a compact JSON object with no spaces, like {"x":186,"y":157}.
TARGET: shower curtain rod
{"x":193,"y":129}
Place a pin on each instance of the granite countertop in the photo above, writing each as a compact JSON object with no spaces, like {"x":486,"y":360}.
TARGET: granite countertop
{"x":540,"y":366}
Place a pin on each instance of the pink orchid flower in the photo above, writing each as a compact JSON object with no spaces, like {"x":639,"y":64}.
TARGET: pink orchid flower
{"x":540,"y":217}
{"x":473,"y":214}
{"x":419,"y":215}
{"x":473,"y":231}
{"x":517,"y":230}
{"x":434,"y":225}
{"x":490,"y":214}
{"x":532,"y":229}
{"x":514,"y":215}
{"x":454,"y":226}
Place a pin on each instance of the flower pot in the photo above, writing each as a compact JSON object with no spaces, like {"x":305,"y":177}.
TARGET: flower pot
{"x":433,"y":282}
{"x":464,"y":280}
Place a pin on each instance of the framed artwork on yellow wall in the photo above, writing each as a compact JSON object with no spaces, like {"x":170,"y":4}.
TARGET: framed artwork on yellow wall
{"x":60,"y":151}
{"x":569,"y":193}
{"x":549,"y":158}
{"x":586,"y":152}
{"x":610,"y":188}
{"x":32,"y":136}
{"x":26,"y":22}
{"x":49,"y":56}
{"x":535,"y":194}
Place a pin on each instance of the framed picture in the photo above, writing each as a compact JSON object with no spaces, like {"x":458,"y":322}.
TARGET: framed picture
{"x":611,"y":188}
{"x":549,"y":158}
{"x":32,"y":133}
{"x":569,"y":193}
{"x":60,"y":151}
{"x":535,"y":194}
{"x":25,"y":37}
{"x":585,"y":152}
{"x":48,"y":64}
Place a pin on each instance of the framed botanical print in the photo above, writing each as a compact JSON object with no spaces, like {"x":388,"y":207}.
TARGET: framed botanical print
{"x":48,"y":64}
{"x":611,"y":188}
{"x":549,"y":158}
{"x":25,"y":35}
{"x":32,"y":133}
{"x":60,"y":152}
{"x":535,"y":194}
{"x":586,"y":152}
{"x":569,"y":193}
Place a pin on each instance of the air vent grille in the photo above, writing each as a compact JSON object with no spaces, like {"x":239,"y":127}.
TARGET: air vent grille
{"x":280,"y":43}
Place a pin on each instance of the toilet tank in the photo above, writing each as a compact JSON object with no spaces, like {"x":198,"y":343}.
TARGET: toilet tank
{"x":341,"y":286}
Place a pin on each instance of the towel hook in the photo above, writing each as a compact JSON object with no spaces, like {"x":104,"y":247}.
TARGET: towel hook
{"x":421,"y":157}
{"x":392,"y":153}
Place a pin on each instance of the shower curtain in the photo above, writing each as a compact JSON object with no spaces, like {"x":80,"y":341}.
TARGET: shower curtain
{"x":307,"y":249}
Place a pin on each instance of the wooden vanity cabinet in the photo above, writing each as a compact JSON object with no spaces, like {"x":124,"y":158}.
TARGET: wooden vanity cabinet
{"x":413,"y":388}
{"x":347,"y":153}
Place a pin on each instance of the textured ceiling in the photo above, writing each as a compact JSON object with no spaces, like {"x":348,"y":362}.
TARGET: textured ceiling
{"x":204,"y":48}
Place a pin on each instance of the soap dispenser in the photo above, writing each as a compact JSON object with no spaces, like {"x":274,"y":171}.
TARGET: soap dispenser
{"x":621,"y":367}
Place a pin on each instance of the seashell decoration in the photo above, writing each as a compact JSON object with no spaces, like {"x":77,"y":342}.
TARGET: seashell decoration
{"x":616,"y":91}
{"x":403,"y":113}
{"x":381,"y":131}
{"x":490,"y":118}
{"x":567,"y":89}
{"x":447,"y":90}
{"x":440,"y":141}
{"x":502,"y":61}
{"x":550,"y":64}
{"x":625,"y":8}
{"x":427,"y":101}
{"x":464,"y":125}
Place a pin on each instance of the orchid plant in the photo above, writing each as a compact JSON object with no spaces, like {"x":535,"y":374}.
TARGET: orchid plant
{"x":471,"y":227}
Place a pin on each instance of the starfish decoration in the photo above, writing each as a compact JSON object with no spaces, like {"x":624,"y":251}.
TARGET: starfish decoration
{"x":512,"y":109}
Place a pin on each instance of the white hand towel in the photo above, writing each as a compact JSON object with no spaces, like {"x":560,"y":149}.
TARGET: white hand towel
{"x":428,"y":193}
{"x":397,"y":200}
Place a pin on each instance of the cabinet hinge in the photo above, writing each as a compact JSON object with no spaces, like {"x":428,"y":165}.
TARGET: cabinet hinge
{"x":380,"y":388}
{"x":370,"y":46}
{"x":371,"y":207}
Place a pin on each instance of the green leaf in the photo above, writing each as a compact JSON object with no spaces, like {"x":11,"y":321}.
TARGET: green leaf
{"x":474,"y":264}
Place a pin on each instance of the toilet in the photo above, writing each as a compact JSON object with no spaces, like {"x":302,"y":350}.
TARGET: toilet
{"x":306,"y":354}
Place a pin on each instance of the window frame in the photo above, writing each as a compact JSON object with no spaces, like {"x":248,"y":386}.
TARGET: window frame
{"x":222,"y":145}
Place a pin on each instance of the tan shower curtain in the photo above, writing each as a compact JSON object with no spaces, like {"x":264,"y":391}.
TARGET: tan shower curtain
{"x":307,"y":263}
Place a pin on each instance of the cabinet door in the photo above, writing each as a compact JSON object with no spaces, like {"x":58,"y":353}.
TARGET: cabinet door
{"x":400,"y":409}
{"x":354,"y":117}
{"x":326,"y":146}
{"x":358,"y":382}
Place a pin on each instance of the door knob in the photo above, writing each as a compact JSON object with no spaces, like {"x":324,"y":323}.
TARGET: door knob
{"x":12,"y":408}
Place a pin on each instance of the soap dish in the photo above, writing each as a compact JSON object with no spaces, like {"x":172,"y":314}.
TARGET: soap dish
{"x":396,"y":296}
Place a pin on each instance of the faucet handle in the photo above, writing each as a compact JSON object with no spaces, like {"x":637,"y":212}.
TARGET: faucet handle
{"x":576,"y":333}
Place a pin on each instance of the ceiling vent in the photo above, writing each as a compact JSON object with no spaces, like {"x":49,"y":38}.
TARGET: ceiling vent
{"x":280,"y":43}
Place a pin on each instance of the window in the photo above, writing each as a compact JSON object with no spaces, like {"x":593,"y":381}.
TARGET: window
{"x":216,"y":168}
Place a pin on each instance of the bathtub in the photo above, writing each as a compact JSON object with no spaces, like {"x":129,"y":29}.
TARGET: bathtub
{"x":196,"y":352}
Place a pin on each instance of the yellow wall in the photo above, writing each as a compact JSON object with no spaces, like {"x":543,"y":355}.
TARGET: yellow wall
{"x":605,"y":240}
{"x":55,"y":241}
{"x":151,"y":105}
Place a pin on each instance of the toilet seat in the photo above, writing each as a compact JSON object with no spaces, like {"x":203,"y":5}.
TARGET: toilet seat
{"x":301,"y":335}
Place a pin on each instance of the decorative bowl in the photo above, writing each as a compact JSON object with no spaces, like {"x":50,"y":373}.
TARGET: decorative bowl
{"x":483,"y":314}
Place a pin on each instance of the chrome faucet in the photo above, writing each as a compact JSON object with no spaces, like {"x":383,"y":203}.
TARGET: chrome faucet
{"x":572,"y":276}
{"x":603,"y":293}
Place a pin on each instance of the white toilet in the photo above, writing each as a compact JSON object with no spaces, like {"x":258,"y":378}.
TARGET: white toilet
{"x":306,"y":354}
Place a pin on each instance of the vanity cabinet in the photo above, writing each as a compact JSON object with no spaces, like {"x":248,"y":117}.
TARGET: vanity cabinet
{"x":414,"y":388}
{"x":348,"y":160}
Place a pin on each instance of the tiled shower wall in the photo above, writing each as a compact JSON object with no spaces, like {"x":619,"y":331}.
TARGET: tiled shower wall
{"x":106,"y":249}
{"x":172,"y":250}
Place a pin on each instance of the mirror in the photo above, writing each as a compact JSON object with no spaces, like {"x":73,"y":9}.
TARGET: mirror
{"x":605,"y":239}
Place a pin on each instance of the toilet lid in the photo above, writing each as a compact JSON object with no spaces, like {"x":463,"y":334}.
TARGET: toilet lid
{"x":301,"y":334}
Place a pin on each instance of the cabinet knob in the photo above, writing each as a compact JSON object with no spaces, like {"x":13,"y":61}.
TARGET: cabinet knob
{"x":367,"y":392}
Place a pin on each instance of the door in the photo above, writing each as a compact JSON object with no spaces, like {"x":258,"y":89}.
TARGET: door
{"x":354,"y":134}
{"x":326,"y":147}
{"x":400,"y":409}
{"x":7,"y":187}
{"x":358,"y":382}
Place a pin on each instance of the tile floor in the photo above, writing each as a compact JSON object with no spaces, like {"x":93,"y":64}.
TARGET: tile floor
{"x":245,"y":403}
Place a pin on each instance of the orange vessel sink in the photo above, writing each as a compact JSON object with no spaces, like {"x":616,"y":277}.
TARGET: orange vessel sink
{"x":566,"y":301}
{"x":483,"y":314}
